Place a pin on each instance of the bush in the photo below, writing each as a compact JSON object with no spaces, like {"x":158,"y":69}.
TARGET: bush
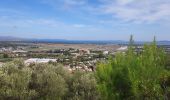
{"x":14,"y":83}
{"x":133,"y":75}
{"x":82,"y":86}
{"x":45,"y":82}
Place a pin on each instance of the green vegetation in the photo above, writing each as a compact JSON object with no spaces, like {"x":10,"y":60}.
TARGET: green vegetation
{"x":167,"y":62}
{"x":138,"y":76}
{"x":82,"y":86}
{"x":5,"y":57}
{"x":44,"y":82}
{"x":132,"y":75}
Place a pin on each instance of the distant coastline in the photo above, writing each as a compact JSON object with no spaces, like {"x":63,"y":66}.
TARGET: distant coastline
{"x":63,"y":41}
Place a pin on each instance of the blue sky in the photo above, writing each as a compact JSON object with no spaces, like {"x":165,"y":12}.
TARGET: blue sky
{"x":86,"y":19}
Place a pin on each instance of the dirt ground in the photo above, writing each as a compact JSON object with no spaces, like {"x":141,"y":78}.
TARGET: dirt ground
{"x":47,"y":46}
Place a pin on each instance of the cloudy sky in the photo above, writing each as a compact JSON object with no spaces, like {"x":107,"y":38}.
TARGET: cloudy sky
{"x":86,"y":19}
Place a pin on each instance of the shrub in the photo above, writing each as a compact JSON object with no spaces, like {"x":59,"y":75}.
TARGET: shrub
{"x":132,"y":75}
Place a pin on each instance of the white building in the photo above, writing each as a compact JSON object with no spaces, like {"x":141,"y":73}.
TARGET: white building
{"x":19,"y":51}
{"x":124,"y":48}
{"x":39,"y":60}
{"x":105,"y":52}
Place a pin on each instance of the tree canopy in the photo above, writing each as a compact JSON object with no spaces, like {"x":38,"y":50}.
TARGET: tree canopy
{"x":134,"y":75}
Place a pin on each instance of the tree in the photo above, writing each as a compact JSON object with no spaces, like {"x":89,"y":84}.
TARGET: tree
{"x":14,"y":83}
{"x":83,"y":87}
{"x":5,"y":55}
{"x":45,"y":82}
{"x":132,"y":75}
{"x":39,"y":81}
{"x":48,"y":82}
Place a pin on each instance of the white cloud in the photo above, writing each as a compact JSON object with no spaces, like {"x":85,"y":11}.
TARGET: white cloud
{"x":138,"y":10}
{"x":124,"y":2}
{"x":53,"y":24}
{"x":65,"y":4}
{"x":75,"y":2}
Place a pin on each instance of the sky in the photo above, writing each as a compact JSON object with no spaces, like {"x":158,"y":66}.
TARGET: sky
{"x":86,"y":19}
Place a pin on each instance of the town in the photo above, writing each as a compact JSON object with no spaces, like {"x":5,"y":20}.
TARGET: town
{"x":72,"y":56}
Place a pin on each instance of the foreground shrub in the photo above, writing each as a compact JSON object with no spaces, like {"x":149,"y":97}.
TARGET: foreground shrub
{"x":14,"y":82}
{"x":82,"y":86}
{"x":133,"y":75}
{"x":45,"y":82}
{"x":48,"y":82}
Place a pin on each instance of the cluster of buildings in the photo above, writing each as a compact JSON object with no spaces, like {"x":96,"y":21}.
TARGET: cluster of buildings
{"x":13,"y":52}
{"x":72,"y":58}
{"x":6,"y":49}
